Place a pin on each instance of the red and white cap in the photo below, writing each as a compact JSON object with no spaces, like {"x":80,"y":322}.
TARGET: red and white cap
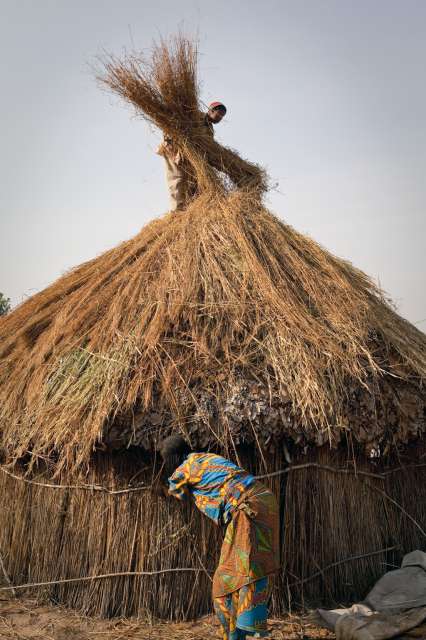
{"x":215,"y":105}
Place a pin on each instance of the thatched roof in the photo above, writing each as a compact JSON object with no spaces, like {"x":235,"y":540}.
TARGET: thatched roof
{"x":213,"y":319}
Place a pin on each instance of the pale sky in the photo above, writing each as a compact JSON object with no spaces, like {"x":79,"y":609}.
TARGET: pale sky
{"x":328,"y":95}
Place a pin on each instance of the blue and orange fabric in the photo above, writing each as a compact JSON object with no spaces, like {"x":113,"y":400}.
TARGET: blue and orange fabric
{"x":250,"y":549}
{"x":227,"y":494}
{"x":215,"y":483}
{"x":243,"y":612}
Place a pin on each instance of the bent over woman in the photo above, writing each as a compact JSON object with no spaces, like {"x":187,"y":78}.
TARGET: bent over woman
{"x":232,"y":498}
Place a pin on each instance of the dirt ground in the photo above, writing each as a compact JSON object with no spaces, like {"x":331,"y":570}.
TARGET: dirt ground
{"x":25,"y":619}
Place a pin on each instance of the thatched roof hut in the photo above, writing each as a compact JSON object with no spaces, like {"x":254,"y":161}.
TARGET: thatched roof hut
{"x":227,"y":325}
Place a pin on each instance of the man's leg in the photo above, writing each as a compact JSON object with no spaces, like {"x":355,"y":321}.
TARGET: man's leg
{"x":176,"y":184}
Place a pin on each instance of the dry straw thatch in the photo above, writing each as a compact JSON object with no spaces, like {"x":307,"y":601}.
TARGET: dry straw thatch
{"x":195,"y":303}
{"x":228,"y":325}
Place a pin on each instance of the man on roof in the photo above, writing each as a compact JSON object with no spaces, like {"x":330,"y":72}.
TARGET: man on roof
{"x":177,"y":173}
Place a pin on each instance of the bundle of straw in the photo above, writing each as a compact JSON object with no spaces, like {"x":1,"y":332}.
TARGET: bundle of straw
{"x":164,"y":90}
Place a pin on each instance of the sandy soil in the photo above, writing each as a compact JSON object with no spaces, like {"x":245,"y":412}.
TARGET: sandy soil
{"x":25,"y":619}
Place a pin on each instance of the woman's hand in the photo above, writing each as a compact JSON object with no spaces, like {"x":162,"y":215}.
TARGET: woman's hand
{"x":160,"y":490}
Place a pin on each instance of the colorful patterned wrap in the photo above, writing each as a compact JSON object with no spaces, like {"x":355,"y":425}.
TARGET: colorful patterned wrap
{"x":215,"y":483}
{"x":243,"y":611}
{"x":250,"y":549}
